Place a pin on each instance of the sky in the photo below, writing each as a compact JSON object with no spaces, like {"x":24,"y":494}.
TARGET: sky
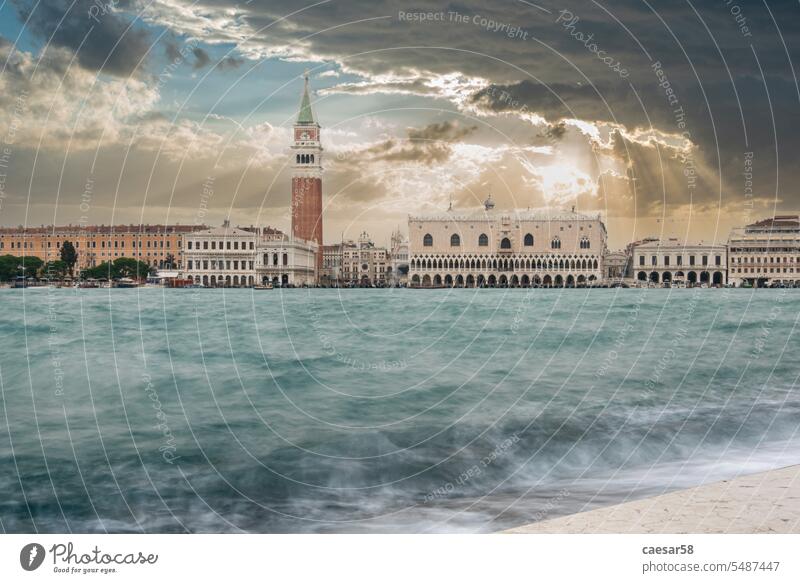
{"x":670,"y":118}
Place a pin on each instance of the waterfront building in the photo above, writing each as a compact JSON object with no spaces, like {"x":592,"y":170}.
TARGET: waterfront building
{"x":364,"y":264}
{"x":672,"y":261}
{"x":399,"y":262}
{"x":765,"y":252}
{"x":284,"y":260}
{"x":506,"y":248}
{"x":157,"y":245}
{"x":242,"y":257}
{"x":222,"y":256}
{"x":307,"y":177}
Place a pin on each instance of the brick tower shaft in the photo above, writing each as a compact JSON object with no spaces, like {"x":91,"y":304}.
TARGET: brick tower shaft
{"x":307,"y":176}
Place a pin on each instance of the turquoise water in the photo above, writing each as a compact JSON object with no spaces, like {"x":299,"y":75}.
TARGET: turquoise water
{"x":151,"y":410}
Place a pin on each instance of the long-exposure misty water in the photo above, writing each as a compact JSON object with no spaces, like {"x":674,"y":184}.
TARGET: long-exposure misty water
{"x":381,"y":410}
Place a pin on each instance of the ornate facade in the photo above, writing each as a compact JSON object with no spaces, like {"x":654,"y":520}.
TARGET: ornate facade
{"x":221,"y":257}
{"x":233,"y":257}
{"x":501,"y":248}
{"x":364,"y":264}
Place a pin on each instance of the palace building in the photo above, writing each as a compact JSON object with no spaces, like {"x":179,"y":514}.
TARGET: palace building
{"x":503,"y":248}
{"x":307,"y":177}
{"x":766,"y":252}
{"x":242,"y":257}
{"x":222,"y":256}
{"x":157,"y":245}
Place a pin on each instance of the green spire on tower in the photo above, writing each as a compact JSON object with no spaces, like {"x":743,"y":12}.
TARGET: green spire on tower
{"x":306,"y":116}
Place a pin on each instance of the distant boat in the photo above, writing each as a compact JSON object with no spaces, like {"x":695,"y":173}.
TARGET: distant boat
{"x":127,"y":282}
{"x":267,"y":285}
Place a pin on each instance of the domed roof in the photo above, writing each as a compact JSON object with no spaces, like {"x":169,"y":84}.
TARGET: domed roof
{"x":488,"y":203}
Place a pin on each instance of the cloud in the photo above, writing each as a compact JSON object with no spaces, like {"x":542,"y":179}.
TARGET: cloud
{"x":201,"y":58}
{"x":427,"y":145}
{"x":53,"y":103}
{"x":230,"y":63}
{"x":110,"y":42}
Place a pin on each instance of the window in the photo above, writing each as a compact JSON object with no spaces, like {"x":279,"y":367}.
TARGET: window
{"x":427,"y":240}
{"x":483,"y":240}
{"x":705,"y":259}
{"x":455,"y":240}
{"x":653,"y":260}
{"x":666,"y":260}
{"x":505,"y":243}
{"x":528,"y":240}
{"x":718,"y":260}
{"x":285,"y":259}
{"x":679,"y":259}
{"x":555,"y":243}
{"x":691,"y":259}
{"x":641,"y":259}
{"x":585,"y":244}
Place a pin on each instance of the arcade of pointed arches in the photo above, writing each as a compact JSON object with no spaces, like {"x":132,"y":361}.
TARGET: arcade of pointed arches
{"x":514,"y":271}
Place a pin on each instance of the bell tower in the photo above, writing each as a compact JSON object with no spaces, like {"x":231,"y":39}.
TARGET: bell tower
{"x":307,"y":176}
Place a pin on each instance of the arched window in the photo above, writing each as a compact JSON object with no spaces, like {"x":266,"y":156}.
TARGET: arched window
{"x":483,"y":240}
{"x":427,"y":240}
{"x":286,"y":259}
{"x":274,"y":259}
{"x":505,"y":243}
{"x":455,"y":240}
{"x":298,"y":158}
{"x":555,"y":243}
{"x":529,"y":240}
{"x":312,"y":158}
{"x":585,"y":244}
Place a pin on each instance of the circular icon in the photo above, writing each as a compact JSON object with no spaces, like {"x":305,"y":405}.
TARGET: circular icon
{"x":31,"y":556}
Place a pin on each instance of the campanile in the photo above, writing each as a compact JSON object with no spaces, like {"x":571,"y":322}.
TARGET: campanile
{"x":307,"y":176}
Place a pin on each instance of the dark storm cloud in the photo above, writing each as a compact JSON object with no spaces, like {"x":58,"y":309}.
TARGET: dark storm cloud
{"x":230,"y":63}
{"x":431,"y":144}
{"x":201,"y":58}
{"x":172,"y":51}
{"x":602,"y":102}
{"x":447,"y":131}
{"x":103,"y":41}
